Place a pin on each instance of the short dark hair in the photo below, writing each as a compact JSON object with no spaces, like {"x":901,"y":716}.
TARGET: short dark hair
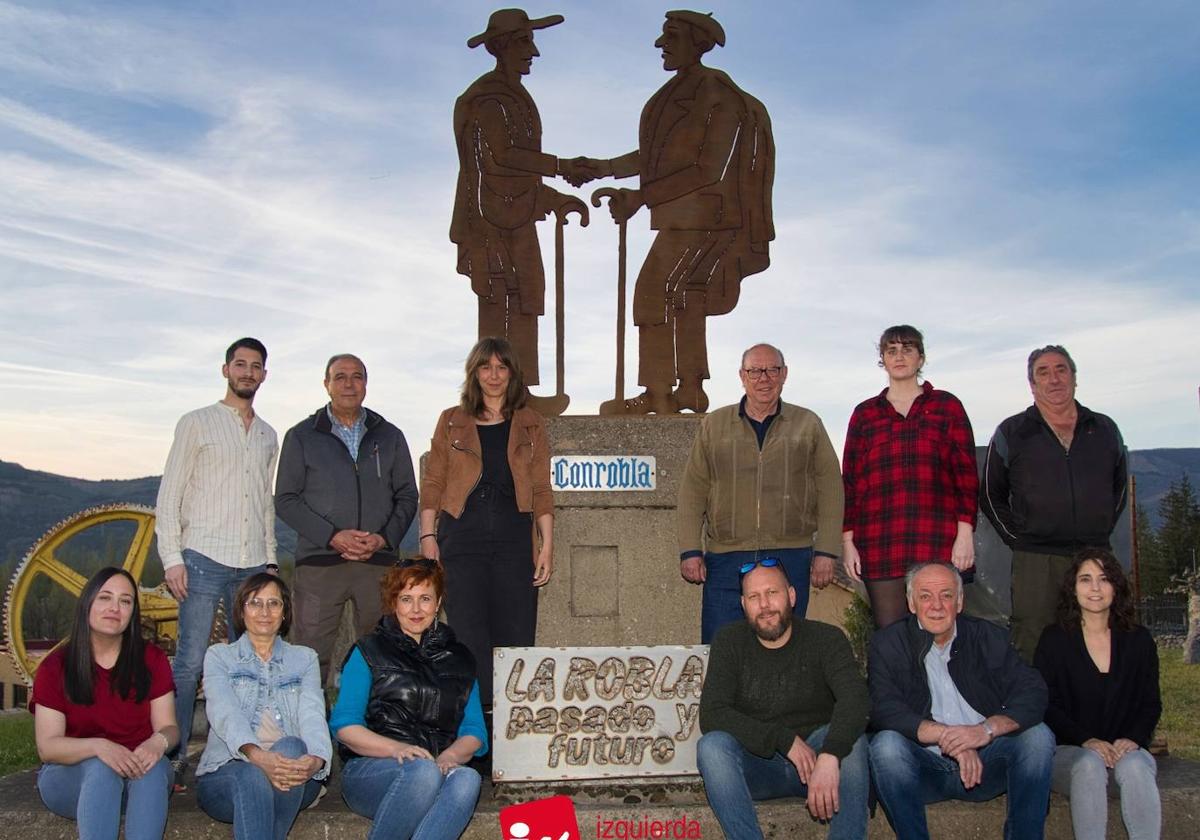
{"x":410,"y":572}
{"x":341,"y":357}
{"x":1042,"y":351}
{"x":250,"y":344}
{"x":250,"y":587}
{"x":1120,"y":615}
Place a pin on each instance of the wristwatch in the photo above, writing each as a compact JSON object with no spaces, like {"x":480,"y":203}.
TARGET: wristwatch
{"x":991,"y":732}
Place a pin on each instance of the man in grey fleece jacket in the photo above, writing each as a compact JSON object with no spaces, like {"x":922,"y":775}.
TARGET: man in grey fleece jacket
{"x":346,"y":485}
{"x":783,"y":713}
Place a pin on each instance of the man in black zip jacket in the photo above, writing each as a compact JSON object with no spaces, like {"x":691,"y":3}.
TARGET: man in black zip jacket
{"x":1053,"y":483}
{"x":346,"y":485}
{"x":956,"y":713}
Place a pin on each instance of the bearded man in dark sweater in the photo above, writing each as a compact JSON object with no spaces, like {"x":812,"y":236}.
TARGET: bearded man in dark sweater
{"x":783,"y":714}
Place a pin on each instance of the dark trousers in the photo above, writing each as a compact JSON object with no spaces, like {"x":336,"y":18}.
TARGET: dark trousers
{"x":320,"y":593}
{"x":490,"y":598}
{"x":1036,"y":581}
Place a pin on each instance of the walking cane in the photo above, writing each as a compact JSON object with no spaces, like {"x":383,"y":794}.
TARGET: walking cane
{"x":617,"y":404}
{"x":557,"y":404}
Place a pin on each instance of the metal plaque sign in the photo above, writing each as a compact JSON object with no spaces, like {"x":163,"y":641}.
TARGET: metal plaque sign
{"x":596,"y":712}
{"x":603,"y":472}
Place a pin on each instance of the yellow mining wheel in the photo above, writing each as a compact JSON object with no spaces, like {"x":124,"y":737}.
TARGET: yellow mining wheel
{"x":48,"y":560}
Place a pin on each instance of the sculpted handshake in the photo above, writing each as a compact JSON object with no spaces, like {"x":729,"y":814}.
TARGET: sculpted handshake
{"x":578,"y":171}
{"x":704,"y":169}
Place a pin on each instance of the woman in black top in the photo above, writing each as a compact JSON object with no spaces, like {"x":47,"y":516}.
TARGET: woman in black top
{"x":1102,"y":671}
{"x":487,"y":511}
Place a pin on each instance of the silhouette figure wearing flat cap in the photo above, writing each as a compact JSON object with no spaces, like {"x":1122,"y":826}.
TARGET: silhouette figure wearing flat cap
{"x":500,"y":193}
{"x":705,"y":158}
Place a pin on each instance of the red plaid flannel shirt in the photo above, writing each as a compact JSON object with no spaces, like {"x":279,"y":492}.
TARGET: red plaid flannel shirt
{"x":909,"y":481}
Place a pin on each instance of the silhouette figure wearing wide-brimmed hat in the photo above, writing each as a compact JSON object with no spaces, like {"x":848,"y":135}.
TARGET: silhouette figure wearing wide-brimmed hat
{"x":500,"y":194}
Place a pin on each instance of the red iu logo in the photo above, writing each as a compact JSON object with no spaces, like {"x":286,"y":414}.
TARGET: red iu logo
{"x":543,"y":819}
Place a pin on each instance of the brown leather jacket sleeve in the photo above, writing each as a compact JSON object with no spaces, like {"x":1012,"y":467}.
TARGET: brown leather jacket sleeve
{"x":543,"y":496}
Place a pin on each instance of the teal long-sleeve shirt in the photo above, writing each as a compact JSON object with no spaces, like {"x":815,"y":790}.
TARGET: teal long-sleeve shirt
{"x":765,"y":697}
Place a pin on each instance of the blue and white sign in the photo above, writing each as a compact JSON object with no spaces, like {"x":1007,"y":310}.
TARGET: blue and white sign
{"x":603,"y":472}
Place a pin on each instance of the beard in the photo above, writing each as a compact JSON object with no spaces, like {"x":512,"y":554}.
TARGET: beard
{"x":772,"y":632}
{"x":243,"y":392}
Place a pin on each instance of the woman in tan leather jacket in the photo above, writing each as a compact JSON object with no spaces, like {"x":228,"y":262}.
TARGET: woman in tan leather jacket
{"x":486,"y":507}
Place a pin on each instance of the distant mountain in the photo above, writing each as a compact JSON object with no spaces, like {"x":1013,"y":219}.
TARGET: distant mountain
{"x":1154,"y":470}
{"x":1157,"y":469}
{"x":32,"y":502}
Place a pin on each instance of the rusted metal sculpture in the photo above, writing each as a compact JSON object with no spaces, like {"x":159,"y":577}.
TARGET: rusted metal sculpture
{"x":705,"y":159}
{"x":501,"y":197}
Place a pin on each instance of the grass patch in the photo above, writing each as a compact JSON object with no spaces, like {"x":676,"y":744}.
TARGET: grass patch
{"x":1180,"y":723}
{"x":17,"y":750}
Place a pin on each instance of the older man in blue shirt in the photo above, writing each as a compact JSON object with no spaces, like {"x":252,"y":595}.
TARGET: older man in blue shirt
{"x":957,"y":713}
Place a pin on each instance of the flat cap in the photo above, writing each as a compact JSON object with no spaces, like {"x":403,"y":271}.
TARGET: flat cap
{"x":706,"y":23}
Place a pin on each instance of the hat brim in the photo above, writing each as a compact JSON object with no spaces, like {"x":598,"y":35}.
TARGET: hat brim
{"x":537,"y":23}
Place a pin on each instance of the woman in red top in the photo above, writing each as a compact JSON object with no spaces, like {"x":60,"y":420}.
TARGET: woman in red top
{"x":910,"y":478}
{"x":104,"y":717}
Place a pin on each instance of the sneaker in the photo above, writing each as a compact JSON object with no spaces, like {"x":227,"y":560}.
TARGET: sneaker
{"x":321,"y":791}
{"x":179,"y":767}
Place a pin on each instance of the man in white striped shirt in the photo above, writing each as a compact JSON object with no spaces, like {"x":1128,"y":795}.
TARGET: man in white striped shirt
{"x":215,"y":516}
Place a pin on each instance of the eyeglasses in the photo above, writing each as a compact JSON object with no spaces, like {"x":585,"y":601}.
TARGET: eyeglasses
{"x":419,"y":562}
{"x":260,"y":605}
{"x":766,"y":563}
{"x":755,"y":374}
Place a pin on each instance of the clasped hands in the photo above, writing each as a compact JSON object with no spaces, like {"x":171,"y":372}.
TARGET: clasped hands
{"x":1111,"y":752}
{"x":356,"y":545}
{"x":282,"y":772}
{"x":445,"y":761}
{"x":962,"y":743}
{"x":578,"y":171}
{"x":127,"y":763}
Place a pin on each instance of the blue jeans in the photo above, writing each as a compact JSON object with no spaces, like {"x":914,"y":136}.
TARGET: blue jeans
{"x":238,"y":792}
{"x":411,"y":798}
{"x":908,"y":776}
{"x":734,"y":778}
{"x":208,"y":582}
{"x":96,"y":793}
{"x":722,"y":601}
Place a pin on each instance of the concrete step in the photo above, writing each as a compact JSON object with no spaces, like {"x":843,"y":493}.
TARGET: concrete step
{"x":23,"y":816}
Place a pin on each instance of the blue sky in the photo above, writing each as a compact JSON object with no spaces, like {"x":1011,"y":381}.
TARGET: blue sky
{"x":1002,"y":175}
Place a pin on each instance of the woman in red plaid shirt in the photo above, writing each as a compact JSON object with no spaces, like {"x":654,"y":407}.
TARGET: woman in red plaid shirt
{"x":910,"y":477}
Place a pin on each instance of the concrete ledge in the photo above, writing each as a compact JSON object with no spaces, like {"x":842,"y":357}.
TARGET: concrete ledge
{"x":23,"y":816}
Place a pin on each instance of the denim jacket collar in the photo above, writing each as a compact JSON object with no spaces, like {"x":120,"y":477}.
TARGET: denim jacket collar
{"x":246,"y":652}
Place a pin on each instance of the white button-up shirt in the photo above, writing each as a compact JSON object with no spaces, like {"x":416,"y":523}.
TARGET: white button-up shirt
{"x":215,"y":496}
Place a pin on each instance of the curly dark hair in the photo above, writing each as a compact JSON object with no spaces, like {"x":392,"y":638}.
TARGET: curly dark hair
{"x":1121,"y":615}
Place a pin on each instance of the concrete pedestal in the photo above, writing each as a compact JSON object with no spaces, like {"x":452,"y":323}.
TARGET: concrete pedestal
{"x":616,"y":561}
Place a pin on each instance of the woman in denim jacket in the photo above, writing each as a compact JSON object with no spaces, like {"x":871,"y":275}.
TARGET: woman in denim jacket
{"x":268,"y":743}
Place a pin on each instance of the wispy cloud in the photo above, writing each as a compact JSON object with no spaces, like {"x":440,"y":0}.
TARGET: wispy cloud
{"x":173,"y":178}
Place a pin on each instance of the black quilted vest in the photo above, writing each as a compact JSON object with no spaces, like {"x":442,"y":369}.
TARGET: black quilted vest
{"x":418,"y":691}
